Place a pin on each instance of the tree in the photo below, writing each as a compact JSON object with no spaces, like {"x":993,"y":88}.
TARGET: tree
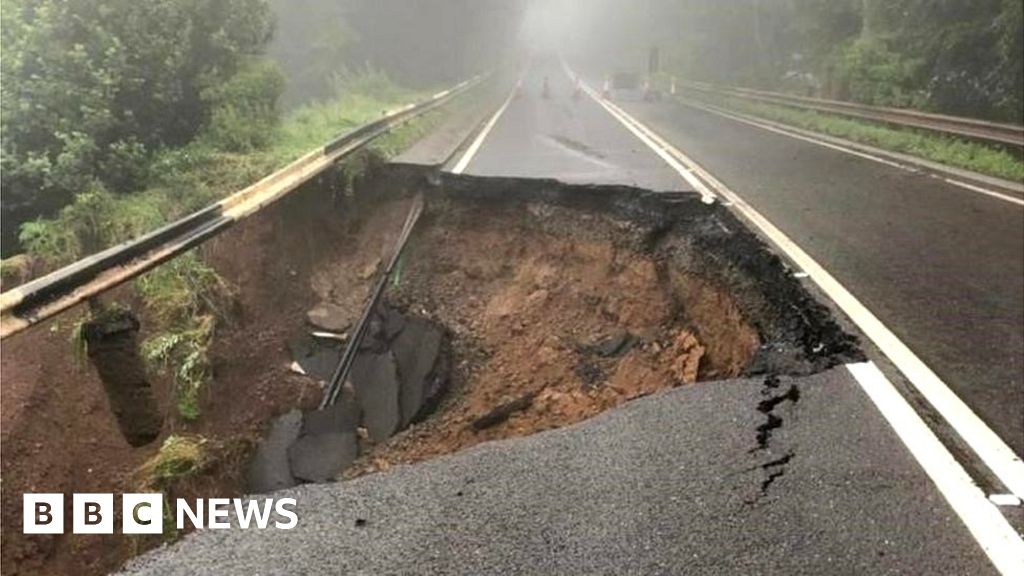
{"x":92,"y":88}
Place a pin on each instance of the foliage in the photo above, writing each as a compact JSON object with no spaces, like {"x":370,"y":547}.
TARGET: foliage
{"x":244,"y":109}
{"x":180,"y":456}
{"x":956,"y":57}
{"x":186,"y":297}
{"x":871,"y":73}
{"x":93,"y":88}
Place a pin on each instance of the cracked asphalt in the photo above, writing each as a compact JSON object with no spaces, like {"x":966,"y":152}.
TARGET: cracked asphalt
{"x":686,"y":481}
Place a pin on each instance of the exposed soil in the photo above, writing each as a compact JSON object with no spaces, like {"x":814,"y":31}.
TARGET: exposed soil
{"x":558,"y":314}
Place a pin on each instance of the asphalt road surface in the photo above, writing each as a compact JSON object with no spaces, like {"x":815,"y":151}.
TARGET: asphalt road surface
{"x":669,"y":484}
{"x":570,"y":139}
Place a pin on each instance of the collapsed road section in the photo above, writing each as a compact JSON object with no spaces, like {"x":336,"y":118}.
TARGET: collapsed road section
{"x":619,"y":375}
{"x":521,"y":306}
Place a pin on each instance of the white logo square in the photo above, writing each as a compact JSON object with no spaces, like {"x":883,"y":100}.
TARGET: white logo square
{"x":92,"y":514}
{"x":43,"y":514}
{"x":142,"y":513}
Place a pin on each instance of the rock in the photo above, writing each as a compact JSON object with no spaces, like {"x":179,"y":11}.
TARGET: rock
{"x":269,"y":469}
{"x":687,"y":353}
{"x":502,"y":412}
{"x":330,"y":317}
{"x":370,"y":269}
{"x":322,"y":457}
{"x":617,"y":345}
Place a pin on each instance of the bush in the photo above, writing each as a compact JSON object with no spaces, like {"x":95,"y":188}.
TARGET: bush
{"x":244,"y":110}
{"x":872,"y":74}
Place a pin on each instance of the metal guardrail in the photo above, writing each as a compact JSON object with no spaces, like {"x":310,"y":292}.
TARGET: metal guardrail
{"x":35,"y":301}
{"x":1004,"y":134}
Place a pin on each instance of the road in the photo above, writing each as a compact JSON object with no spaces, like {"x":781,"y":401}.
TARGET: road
{"x":673,"y":485}
{"x":670,"y":488}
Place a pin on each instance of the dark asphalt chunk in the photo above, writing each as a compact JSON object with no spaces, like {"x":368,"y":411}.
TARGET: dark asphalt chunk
{"x":321,"y":457}
{"x":269,"y":469}
{"x":375,"y":378}
{"x":317,"y":357}
{"x":417,"y":349}
{"x":343,"y":416}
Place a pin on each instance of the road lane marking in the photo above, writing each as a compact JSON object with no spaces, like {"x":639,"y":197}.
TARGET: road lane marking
{"x":803,"y":136}
{"x":980,"y":190}
{"x":1004,"y":499}
{"x":991,"y":449}
{"x":983,"y":519}
{"x":467,"y":157}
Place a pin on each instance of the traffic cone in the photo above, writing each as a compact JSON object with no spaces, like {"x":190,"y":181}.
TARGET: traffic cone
{"x":606,"y":91}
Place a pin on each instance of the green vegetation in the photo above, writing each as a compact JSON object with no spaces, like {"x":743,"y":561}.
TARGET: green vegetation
{"x":179,"y":457}
{"x":93,"y":90}
{"x":186,"y":298}
{"x":944,"y":150}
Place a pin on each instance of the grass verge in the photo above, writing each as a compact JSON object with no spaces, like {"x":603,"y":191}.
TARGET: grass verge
{"x":945,"y":150}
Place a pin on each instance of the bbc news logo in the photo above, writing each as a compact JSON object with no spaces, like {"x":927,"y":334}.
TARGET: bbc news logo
{"x":144,"y":513}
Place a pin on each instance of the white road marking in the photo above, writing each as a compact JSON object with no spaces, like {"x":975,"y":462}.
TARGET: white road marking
{"x":980,"y":190}
{"x":991,"y":449}
{"x":467,"y":157}
{"x":1004,"y":499}
{"x":989,"y":527}
{"x":787,"y":131}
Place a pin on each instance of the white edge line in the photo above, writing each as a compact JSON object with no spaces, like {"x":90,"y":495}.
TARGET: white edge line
{"x":467,"y":157}
{"x":983,"y":519}
{"x":991,"y":449}
{"x":788,"y":131}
